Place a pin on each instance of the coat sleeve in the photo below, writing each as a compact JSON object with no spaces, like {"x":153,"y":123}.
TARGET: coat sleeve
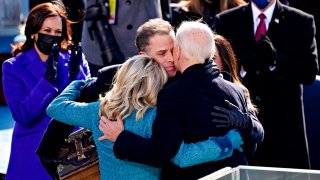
{"x":26,"y":106}
{"x":214,"y":149}
{"x":64,"y":107}
{"x":91,"y":91}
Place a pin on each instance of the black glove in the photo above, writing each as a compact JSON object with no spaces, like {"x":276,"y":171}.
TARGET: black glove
{"x":230,"y":118}
{"x":52,"y":63}
{"x":265,"y":53}
{"x":211,"y":67}
{"x":75,"y":60}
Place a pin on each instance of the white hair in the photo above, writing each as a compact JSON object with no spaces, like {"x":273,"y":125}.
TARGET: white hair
{"x":195,"y":40}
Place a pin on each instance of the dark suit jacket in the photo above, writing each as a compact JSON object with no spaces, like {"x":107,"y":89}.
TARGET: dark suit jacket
{"x":183,"y":114}
{"x":278,"y":94}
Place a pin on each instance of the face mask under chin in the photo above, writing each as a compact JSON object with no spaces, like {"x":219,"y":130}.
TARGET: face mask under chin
{"x":46,"y":41}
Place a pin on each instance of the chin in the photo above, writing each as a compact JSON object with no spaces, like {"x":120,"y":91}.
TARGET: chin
{"x":172,"y":74}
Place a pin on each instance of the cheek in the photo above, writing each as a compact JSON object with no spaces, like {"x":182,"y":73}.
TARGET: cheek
{"x":159,"y":60}
{"x":219,"y":63}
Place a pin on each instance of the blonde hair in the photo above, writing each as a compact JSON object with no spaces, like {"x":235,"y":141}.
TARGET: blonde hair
{"x":135,"y":87}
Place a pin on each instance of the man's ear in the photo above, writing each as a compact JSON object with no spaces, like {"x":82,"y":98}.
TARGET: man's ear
{"x":178,"y":52}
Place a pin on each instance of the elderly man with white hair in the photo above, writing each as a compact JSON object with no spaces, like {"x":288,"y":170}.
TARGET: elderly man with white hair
{"x":183,"y":111}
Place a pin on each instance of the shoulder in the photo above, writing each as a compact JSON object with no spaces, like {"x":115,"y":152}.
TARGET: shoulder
{"x":296,"y":14}
{"x":234,"y":11}
{"x":227,"y":85}
{"x":296,"y":11}
{"x":18,"y":60}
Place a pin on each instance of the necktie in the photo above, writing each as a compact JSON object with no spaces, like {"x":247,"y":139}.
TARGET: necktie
{"x":261,"y":29}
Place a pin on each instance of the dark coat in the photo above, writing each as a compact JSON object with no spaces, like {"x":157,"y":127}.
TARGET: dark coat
{"x":278,"y":94}
{"x":183,"y":114}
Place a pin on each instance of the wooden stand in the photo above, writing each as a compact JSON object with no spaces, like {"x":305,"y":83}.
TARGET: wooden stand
{"x":89,"y":172}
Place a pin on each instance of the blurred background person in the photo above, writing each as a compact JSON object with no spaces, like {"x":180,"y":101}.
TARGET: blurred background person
{"x":206,"y":9}
{"x":40,"y":69}
{"x":276,"y":59}
{"x":124,"y":20}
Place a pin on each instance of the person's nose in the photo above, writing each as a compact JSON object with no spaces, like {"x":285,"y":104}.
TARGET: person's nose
{"x":170,"y":57}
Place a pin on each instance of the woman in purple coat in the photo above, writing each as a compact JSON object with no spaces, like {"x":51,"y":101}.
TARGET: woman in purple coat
{"x":40,"y":69}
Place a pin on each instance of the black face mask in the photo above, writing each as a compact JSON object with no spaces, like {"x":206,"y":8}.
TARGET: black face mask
{"x":45,"y":42}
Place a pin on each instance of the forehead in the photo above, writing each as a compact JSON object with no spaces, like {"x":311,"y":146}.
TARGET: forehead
{"x":54,"y":22}
{"x":160,"y":42}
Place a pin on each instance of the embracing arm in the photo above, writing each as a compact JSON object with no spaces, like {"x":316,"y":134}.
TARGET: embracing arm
{"x":214,"y":149}
{"x":64,"y":107}
{"x":166,"y":141}
{"x":233,"y":117}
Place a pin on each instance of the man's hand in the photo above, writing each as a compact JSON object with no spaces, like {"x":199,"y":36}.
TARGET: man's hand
{"x":265,"y":54}
{"x":52,"y":63}
{"x":110,"y":129}
{"x":230,"y":118}
{"x":211,"y":67}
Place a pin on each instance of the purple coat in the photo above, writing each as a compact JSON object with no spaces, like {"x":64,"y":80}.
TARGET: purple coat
{"x":28,"y":94}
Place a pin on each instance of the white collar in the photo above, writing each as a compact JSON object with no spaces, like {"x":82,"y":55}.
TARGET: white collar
{"x":268,"y":12}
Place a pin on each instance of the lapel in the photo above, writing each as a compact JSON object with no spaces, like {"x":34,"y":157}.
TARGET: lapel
{"x":33,"y":64}
{"x":276,"y":22}
{"x":247,"y":22}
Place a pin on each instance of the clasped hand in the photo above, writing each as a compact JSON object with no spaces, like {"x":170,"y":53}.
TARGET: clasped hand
{"x":110,"y":129}
{"x":75,"y":60}
{"x":230,"y":118}
{"x":52,"y":63}
{"x":211,"y":67}
{"x":265,"y":53}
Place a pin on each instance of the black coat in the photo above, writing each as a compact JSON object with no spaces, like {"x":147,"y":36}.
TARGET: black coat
{"x":183,"y":114}
{"x":278,"y":93}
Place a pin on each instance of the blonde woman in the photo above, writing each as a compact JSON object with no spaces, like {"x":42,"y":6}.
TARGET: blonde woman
{"x":133,"y":96}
